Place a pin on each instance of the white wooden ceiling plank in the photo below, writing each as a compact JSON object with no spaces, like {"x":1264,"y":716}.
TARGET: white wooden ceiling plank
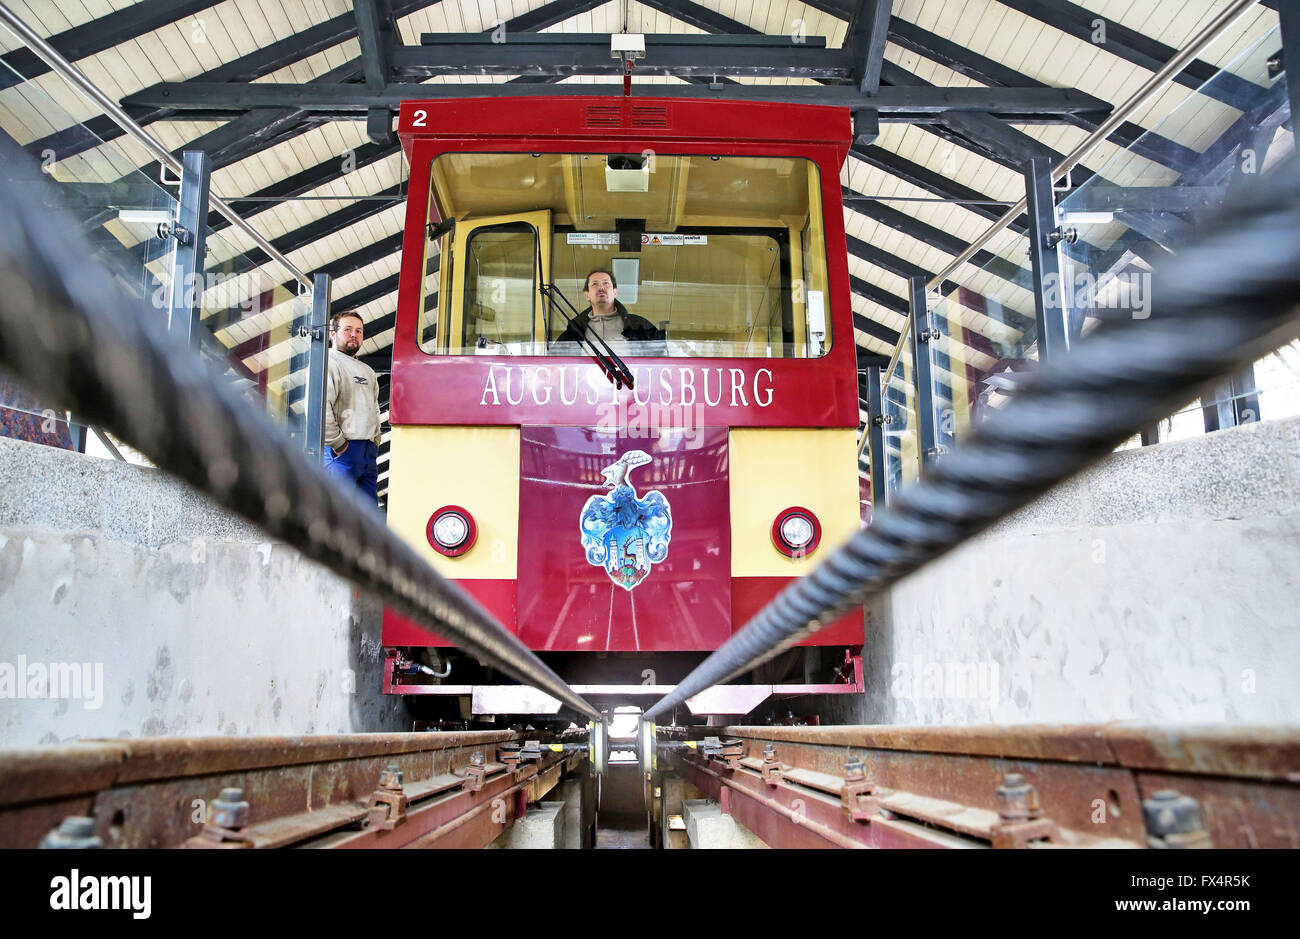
{"x":239,"y":27}
{"x":52,"y":19}
{"x":158,"y":59}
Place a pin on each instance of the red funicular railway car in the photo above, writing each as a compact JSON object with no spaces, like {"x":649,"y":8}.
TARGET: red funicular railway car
{"x":624,"y":489}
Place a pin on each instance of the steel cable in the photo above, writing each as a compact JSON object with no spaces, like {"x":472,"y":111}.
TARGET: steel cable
{"x":68,"y":331}
{"x":1225,"y":300}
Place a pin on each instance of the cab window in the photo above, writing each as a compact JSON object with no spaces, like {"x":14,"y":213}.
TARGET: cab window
{"x":715,"y":255}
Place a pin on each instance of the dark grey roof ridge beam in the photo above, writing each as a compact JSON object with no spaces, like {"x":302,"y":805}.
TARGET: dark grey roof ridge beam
{"x":567,"y":54}
{"x":899,"y":101}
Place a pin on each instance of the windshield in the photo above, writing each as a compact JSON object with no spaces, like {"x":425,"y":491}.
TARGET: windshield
{"x":656,"y":255}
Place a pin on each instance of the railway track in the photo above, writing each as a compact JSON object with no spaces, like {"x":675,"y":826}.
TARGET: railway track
{"x":1121,"y":785}
{"x":431,"y":790}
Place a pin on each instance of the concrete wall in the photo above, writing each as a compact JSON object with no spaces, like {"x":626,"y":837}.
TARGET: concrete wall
{"x":197,"y":623}
{"x":1161,"y":585}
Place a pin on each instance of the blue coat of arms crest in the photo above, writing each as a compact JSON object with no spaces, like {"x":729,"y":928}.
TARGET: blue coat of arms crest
{"x":624,"y":534}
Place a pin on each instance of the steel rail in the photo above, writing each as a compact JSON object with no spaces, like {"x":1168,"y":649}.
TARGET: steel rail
{"x":69,"y":332}
{"x":71,"y":74}
{"x":1226,"y":299}
{"x":1153,"y":86}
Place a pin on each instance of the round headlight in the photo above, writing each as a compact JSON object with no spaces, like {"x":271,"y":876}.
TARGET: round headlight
{"x":796,"y":532}
{"x":451,"y":531}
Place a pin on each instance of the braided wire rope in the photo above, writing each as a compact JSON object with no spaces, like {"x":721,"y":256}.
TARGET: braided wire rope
{"x":68,"y":331}
{"x":1226,"y":299}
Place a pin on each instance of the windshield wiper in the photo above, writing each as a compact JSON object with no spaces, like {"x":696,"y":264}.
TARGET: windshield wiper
{"x":615,"y":368}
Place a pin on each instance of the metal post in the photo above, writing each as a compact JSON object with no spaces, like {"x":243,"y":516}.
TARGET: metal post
{"x":1289,"y":24}
{"x":1046,"y":262}
{"x":1235,"y":402}
{"x":1245,"y":396}
{"x":1218,"y":413}
{"x":876,"y":435}
{"x":947,"y":416}
{"x":923,"y":335}
{"x":191,"y":237}
{"x":1074,"y":316}
{"x":596,"y":745}
{"x":77,"y":433}
{"x":317,"y":360}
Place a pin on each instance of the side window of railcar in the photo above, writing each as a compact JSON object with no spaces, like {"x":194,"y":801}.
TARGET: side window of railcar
{"x":499,"y":289}
{"x":437,"y":273}
{"x":712,"y":255}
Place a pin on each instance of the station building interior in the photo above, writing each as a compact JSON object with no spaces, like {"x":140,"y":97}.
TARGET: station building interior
{"x":972,"y":351}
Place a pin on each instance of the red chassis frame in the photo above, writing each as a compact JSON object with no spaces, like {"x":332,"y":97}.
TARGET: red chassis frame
{"x":720,"y":699}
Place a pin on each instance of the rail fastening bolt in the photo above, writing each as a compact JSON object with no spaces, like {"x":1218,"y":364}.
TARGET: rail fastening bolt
{"x":75,"y":831}
{"x":1017,"y":800}
{"x":229,"y":810}
{"x":1168,"y":812}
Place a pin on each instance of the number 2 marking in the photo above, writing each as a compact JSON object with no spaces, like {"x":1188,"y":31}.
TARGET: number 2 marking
{"x":419,"y":119}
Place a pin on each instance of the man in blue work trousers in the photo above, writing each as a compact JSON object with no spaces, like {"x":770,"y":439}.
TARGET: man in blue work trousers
{"x":351,"y":407}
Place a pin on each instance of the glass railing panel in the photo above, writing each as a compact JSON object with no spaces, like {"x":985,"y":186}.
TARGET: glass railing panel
{"x":252,"y":315}
{"x":1277,"y":380}
{"x":902,"y":435}
{"x":987,"y":339}
{"x":1135,"y":212}
{"x":118,"y":207}
{"x":251,"y":308}
{"x":119,"y":210}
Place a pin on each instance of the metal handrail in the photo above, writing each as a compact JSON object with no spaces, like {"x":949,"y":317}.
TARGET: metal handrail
{"x":70,"y":73}
{"x":1154,"y":85}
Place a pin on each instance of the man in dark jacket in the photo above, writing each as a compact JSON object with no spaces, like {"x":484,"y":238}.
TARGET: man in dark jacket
{"x":609,"y":319}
